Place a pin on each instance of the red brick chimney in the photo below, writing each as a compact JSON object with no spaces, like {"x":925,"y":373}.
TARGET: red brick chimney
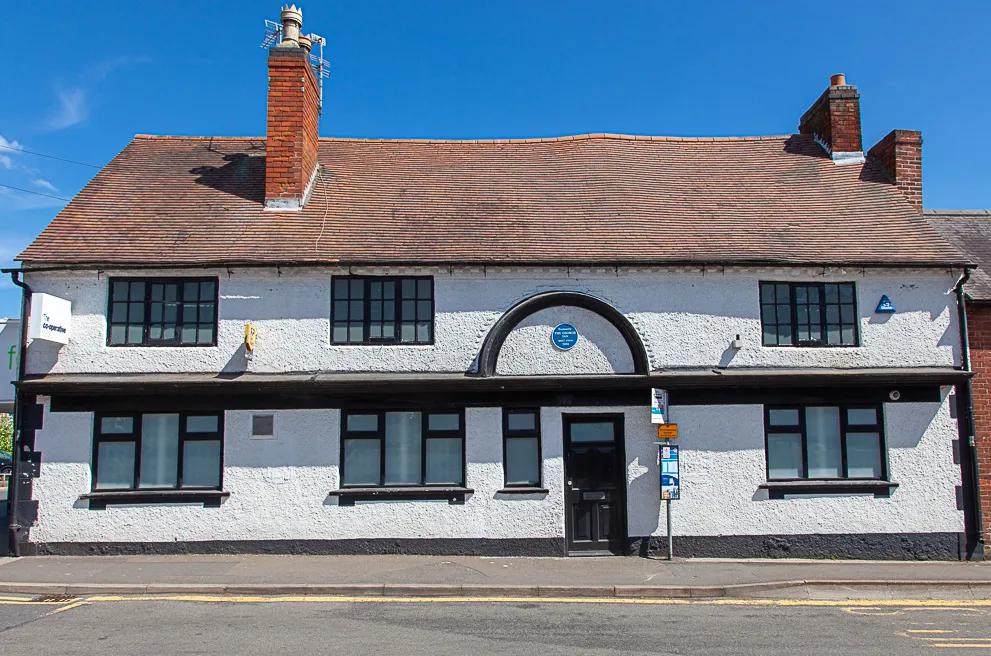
{"x":293,"y":119}
{"x":900,"y":152}
{"x":834,"y":121}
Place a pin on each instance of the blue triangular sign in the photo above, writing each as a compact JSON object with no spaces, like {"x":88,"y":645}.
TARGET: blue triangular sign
{"x":885,"y":304}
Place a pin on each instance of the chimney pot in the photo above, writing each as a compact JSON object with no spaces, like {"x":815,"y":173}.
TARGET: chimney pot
{"x":838,"y":80}
{"x":305,"y":42}
{"x":292,"y":23}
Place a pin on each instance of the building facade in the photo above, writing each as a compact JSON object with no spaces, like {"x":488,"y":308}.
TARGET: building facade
{"x":301,"y":345}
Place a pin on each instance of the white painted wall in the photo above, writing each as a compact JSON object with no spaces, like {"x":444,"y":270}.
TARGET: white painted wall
{"x":686,"y":318}
{"x":279,"y":487}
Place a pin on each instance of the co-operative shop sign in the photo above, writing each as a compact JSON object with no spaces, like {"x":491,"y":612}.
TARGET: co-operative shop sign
{"x":10,"y":335}
{"x":51,"y":318}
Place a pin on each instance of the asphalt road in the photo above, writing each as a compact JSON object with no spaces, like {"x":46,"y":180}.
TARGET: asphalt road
{"x":766,"y":628}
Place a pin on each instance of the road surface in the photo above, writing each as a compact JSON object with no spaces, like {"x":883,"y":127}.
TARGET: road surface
{"x":89,"y":626}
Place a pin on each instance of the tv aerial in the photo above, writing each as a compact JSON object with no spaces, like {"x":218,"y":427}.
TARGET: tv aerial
{"x":274,"y":33}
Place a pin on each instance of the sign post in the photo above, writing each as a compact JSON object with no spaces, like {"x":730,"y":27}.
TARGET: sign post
{"x":670,"y":486}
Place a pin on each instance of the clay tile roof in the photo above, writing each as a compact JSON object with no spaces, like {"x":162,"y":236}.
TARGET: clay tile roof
{"x":607,"y":199}
{"x":970,"y":232}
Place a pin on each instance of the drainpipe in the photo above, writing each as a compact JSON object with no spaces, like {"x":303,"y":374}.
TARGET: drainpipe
{"x":15,"y":465}
{"x":970,"y":424}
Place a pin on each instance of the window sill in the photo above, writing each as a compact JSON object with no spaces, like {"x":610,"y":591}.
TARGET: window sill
{"x":778,"y":489}
{"x":209,"y":498}
{"x":348,"y":495}
{"x":523,"y":490}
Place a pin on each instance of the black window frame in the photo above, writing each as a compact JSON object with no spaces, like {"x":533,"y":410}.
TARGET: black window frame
{"x":147,"y":323}
{"x":844,"y":429}
{"x":794,"y":319}
{"x":366,"y":321}
{"x":425,"y":434}
{"x":135,"y":436}
{"x":508,"y":434}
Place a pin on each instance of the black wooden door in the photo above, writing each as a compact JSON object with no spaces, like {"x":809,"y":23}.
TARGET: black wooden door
{"x":595,"y":484}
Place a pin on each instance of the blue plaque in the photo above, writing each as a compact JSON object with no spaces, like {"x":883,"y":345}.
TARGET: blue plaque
{"x":564,"y":336}
{"x":885,"y":305}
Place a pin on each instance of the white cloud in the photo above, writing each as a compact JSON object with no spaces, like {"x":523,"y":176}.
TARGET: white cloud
{"x":44,"y":184}
{"x":14,"y":201}
{"x":6,"y":162}
{"x":72,"y":109}
{"x":10,"y":144}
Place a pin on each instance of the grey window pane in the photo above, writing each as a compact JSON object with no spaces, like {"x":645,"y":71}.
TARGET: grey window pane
{"x":115,"y":465}
{"x":443,"y":422}
{"x":861,"y":416}
{"x":402,"y":447}
{"x":423,"y":332}
{"x":190,"y":291}
{"x":389,"y":331}
{"x":408,"y":333}
{"x":423,"y":310}
{"x":409,"y":288}
{"x":206,"y":312}
{"x":848,"y":335}
{"x":340,"y":288}
{"x":409,"y":310}
{"x":767,"y":292}
{"x":201,"y":463}
{"x":361,"y":462}
{"x":155,"y":332}
{"x":863,"y":455}
{"x":156,"y":312}
{"x":389,"y":310}
{"x":521,"y":421}
{"x":784,"y":314}
{"x":171,"y":312}
{"x":832,"y":294}
{"x":813,"y":294}
{"x":801,"y":294}
{"x":846,"y":293}
{"x":118,"y":334}
{"x":358,"y":288}
{"x":784,"y":335}
{"x":135,"y":334}
{"x":784,"y":455}
{"x":119,"y":312}
{"x":168,"y":332}
{"x":207,"y":291}
{"x":340,"y":333}
{"x":783,"y":294}
{"x":203,"y":424}
{"x":263,"y":425}
{"x":157,"y":292}
{"x":190,"y":312}
{"x":172,"y":292}
{"x":137,"y":291}
{"x":444,"y":461}
{"x":189,"y":334}
{"x":785,"y":417}
{"x":159,"y":450}
{"x":832,"y":314}
{"x":204,"y":335}
{"x":116,"y":425}
{"x":375,"y":331}
{"x":363,"y":423}
{"x":846,"y":313}
{"x":120,"y":291}
{"x":375,"y":312}
{"x":356,"y":310}
{"x":768,"y":313}
{"x":356,"y":332}
{"x":341,"y":310}
{"x":136,"y":313}
{"x":389,"y":289}
{"x":375,"y":289}
{"x":522,"y":461}
{"x":423,"y":289}
{"x":593,"y":432}
{"x":833,"y":334}
{"x":770,"y":335}
{"x":822,"y":428}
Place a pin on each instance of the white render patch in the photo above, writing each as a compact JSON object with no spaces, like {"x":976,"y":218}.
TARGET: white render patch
{"x":852,"y":157}
{"x":600,"y":349}
{"x":279,"y":489}
{"x":294,"y":204}
{"x":684,"y":318}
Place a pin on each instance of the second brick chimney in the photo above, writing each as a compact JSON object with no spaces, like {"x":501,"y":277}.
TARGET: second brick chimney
{"x":900,"y":153}
{"x":834,"y":121}
{"x":293,"y":120}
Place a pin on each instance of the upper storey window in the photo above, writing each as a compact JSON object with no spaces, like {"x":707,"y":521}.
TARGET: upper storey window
{"x":382,"y":310}
{"x":162,"y":312}
{"x":808,"y":314}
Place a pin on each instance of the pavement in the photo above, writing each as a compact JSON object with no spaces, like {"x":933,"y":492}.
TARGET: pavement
{"x":447,"y":576}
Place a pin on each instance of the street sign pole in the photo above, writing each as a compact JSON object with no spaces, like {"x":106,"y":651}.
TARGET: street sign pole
{"x":670,"y":534}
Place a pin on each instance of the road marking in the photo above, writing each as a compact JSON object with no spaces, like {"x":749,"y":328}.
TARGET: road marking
{"x":927,"y":631}
{"x":891,"y":606}
{"x":952,"y":645}
{"x":76,"y":604}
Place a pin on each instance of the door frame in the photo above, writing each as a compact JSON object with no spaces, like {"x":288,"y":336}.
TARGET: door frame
{"x":618,"y":420}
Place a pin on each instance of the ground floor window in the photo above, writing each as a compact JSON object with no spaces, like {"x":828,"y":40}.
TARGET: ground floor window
{"x":157,"y":451}
{"x":521,"y":447}
{"x":402,"y":448}
{"x":825,"y":442}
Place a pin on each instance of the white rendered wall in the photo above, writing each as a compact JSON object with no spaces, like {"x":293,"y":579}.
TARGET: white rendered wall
{"x":279,"y":487}
{"x":685,"y":318}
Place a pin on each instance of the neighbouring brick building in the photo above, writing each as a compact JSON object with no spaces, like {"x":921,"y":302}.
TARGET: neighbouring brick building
{"x":970,"y":232}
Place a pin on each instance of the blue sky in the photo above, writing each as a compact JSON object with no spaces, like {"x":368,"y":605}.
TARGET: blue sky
{"x":82,"y":82}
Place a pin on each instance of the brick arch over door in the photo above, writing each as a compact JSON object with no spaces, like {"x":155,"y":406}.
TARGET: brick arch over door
{"x":489,"y":355}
